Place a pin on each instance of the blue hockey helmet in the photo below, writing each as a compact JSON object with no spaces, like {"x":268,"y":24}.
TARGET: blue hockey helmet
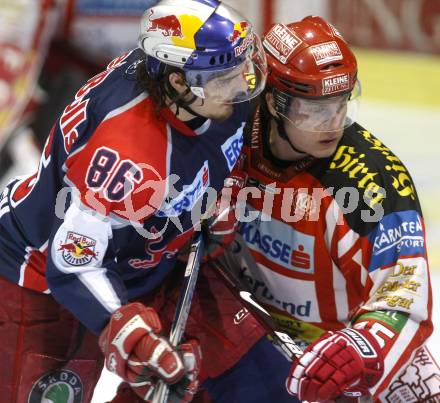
{"x":216,"y":48}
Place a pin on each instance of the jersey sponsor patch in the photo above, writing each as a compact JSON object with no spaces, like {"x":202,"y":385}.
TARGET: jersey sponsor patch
{"x":326,"y":52}
{"x":301,"y":304}
{"x":402,"y":286}
{"x":231,"y":148}
{"x":78,"y":250}
{"x":393,"y":319}
{"x":281,"y":42}
{"x":157,"y":249}
{"x":303,"y":332}
{"x":188,"y":197}
{"x":281,"y":244}
{"x":401,"y":180}
{"x":384,"y":325}
{"x":57,"y":386}
{"x":72,"y":117}
{"x":397,"y":234}
{"x":356,"y":168}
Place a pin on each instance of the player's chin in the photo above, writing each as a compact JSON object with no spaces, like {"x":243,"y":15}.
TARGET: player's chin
{"x":325,"y":149}
{"x":222,"y":112}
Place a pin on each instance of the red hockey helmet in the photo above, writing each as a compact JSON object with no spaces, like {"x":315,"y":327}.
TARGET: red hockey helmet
{"x":311,"y":71}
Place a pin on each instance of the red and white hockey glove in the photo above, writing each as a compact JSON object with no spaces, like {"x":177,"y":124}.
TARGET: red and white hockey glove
{"x":223,"y":223}
{"x":337,"y":361}
{"x":135,"y":351}
{"x":187,"y":387}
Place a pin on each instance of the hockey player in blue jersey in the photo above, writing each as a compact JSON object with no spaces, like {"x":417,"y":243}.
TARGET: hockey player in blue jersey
{"x":99,"y":224}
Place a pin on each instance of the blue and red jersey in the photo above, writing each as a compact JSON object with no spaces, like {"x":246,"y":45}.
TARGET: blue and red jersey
{"x":103,"y":218}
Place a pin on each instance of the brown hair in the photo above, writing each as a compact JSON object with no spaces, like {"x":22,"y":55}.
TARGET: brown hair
{"x":158,"y":88}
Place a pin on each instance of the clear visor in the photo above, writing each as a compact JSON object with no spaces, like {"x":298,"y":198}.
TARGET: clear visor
{"x":235,"y":84}
{"x":322,"y":115}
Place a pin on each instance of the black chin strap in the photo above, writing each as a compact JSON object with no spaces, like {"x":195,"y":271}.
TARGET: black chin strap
{"x":283,"y":134}
{"x":181,"y":103}
{"x":176,"y":98}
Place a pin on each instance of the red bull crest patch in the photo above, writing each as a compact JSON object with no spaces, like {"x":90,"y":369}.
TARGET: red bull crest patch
{"x":168,"y":25}
{"x":78,"y":250}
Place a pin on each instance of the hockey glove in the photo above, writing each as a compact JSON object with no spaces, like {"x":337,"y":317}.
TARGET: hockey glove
{"x":335,"y":362}
{"x":135,"y":351}
{"x":223,"y":224}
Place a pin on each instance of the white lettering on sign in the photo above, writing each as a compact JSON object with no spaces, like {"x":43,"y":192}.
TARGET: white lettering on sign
{"x":281,"y":42}
{"x":338,"y":83}
{"x":326,"y":52}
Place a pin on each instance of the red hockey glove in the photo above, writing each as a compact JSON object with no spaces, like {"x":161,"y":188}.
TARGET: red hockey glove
{"x":223,"y":224}
{"x":186,"y":388}
{"x":182,"y":391}
{"x":134,"y":350}
{"x":335,"y":362}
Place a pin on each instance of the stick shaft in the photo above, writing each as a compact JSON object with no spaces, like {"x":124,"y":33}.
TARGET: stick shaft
{"x":183,"y":305}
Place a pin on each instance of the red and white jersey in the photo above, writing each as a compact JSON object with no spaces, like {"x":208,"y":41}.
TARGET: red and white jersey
{"x":339,"y":242}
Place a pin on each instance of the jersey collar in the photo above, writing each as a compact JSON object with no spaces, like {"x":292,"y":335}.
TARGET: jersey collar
{"x":168,"y":115}
{"x":259,"y":160}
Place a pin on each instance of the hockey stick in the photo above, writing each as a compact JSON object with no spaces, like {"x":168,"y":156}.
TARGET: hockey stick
{"x":183,"y":305}
{"x":281,"y":339}
{"x":288,"y":347}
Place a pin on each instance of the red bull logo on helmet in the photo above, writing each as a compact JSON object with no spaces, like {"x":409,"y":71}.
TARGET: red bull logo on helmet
{"x":78,"y":250}
{"x":168,"y":25}
{"x":240,"y":31}
{"x":243,"y":46}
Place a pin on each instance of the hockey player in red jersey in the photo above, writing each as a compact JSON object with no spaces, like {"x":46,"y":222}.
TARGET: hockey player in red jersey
{"x":332,"y":241}
{"x":98,"y":226}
